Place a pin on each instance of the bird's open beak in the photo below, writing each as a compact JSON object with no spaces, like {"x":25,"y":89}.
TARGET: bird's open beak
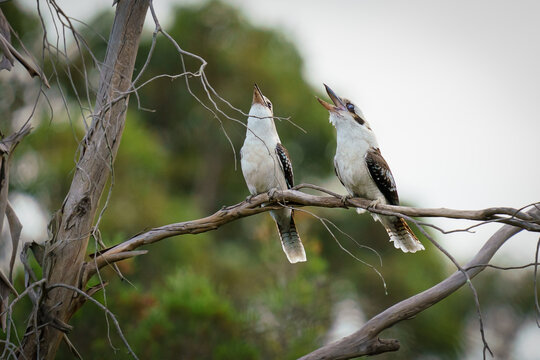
{"x":338,"y":104}
{"x":258,"y":96}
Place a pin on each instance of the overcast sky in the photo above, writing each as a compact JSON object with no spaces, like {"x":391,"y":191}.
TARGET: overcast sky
{"x":451,"y":88}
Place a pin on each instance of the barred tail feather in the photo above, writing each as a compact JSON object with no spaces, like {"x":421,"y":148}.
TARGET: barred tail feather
{"x":291,"y":243}
{"x":401,"y":234}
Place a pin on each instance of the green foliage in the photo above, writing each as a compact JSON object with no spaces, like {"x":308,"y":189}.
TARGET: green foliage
{"x":189,"y":316}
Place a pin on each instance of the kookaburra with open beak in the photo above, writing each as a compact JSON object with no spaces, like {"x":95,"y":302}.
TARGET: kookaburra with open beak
{"x":266,"y":166}
{"x":363,"y":171}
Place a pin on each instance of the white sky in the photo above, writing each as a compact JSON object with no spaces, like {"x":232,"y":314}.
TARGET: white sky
{"x":451,"y":88}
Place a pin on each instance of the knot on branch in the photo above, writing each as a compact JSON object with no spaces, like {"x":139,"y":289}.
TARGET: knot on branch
{"x":379,"y":346}
{"x":82,"y":207}
{"x":46,"y":315}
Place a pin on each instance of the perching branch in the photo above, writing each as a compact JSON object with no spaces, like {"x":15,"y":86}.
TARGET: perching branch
{"x":295,"y":198}
{"x":365,"y":341}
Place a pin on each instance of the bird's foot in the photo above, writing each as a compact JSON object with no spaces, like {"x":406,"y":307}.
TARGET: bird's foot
{"x":271,"y":193}
{"x":345,"y":199}
{"x":373,"y":204}
{"x":248,"y":198}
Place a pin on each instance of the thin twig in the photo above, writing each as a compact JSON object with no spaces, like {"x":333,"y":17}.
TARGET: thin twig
{"x":102,"y":307}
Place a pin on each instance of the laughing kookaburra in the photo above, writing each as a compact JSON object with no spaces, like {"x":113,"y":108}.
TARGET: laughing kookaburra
{"x":266,"y":166}
{"x":363,"y":171}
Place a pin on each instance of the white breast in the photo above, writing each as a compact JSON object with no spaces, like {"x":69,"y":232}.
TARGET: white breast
{"x":352,"y":144}
{"x":260,"y":167}
{"x":260,"y":164}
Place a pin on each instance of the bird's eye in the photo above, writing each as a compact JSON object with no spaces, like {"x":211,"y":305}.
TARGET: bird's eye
{"x":269,"y":104}
{"x":350,"y":107}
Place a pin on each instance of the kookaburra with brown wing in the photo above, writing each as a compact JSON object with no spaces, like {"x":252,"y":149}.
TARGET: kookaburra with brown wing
{"x":266,"y":166}
{"x":360,"y":167}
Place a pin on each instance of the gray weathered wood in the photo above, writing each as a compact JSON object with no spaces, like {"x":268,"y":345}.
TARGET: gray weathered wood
{"x":295,"y":198}
{"x":65,"y":253}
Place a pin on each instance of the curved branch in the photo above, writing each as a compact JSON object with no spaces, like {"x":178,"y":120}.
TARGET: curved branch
{"x":354,"y":345}
{"x":252,"y":206}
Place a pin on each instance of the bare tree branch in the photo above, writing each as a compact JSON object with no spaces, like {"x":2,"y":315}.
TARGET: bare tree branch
{"x":467,"y":280}
{"x":368,"y":345}
{"x":7,"y":146}
{"x":11,"y":54}
{"x":15,"y":228}
{"x":296,"y":198}
{"x":366,"y":342}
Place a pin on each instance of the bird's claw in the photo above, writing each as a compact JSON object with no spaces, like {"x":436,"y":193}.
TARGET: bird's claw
{"x":272,"y":193}
{"x":373,"y":204}
{"x":344,"y":199}
{"x":248,"y":198}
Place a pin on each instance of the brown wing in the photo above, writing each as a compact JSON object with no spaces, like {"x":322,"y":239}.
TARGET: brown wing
{"x":286,"y":165}
{"x":381,"y":174}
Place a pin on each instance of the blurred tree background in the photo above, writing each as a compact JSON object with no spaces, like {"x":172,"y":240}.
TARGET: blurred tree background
{"x":227,"y":294}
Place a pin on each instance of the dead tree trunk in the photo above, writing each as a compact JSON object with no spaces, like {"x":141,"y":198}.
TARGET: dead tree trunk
{"x":65,"y":252}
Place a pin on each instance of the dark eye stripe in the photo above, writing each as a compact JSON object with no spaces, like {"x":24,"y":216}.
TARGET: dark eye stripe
{"x":358,"y":119}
